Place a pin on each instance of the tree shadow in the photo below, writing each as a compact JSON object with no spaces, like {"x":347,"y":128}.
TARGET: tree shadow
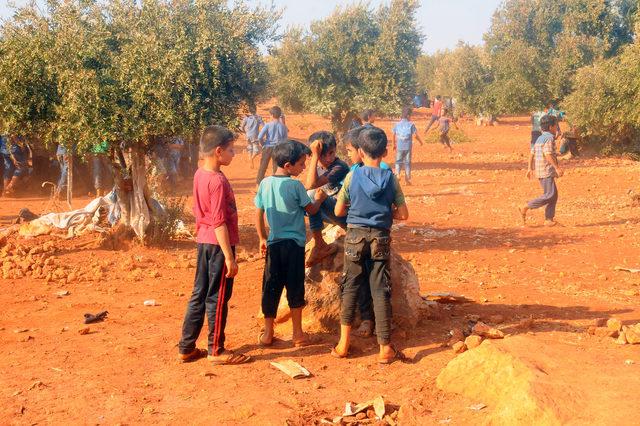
{"x":415,"y":238}
{"x":518,"y":319}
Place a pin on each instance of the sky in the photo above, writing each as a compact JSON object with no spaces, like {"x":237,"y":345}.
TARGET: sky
{"x":443,"y":22}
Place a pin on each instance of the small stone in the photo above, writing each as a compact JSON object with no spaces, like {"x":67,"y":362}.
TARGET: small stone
{"x":622,"y":338}
{"x":614,"y":324}
{"x":592,"y":330}
{"x":629,"y":362}
{"x":605,"y":332}
{"x":459,"y":347}
{"x":84,"y":330}
{"x":473,"y":341}
{"x":496,"y":319}
{"x":361,"y":416}
{"x":456,"y":336}
{"x":484,"y":330}
{"x":632,"y":335}
{"x":526,"y":324}
{"x":600,"y":322}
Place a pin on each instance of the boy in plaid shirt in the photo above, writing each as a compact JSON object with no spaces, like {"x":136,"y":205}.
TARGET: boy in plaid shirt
{"x":544,"y":164}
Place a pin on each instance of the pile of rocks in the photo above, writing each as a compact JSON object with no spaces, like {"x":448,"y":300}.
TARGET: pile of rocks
{"x":478,"y":331}
{"x":40,"y":262}
{"x":614,"y":329}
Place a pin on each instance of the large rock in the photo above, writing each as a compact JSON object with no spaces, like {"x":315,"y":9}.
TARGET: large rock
{"x":525,"y":380}
{"x":322,"y":312}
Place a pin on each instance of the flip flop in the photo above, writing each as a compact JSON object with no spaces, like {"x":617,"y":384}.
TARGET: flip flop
{"x":196,"y":354}
{"x":397,"y":356}
{"x":335,"y":354}
{"x":265,"y":344}
{"x":229,"y":358}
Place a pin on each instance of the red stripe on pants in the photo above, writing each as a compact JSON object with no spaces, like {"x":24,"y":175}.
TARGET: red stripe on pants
{"x":221,"y":294}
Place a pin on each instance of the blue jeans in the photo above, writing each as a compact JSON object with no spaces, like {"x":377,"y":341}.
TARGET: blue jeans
{"x":548,"y":199}
{"x":63,"y":162}
{"x":403,"y":157}
{"x":325,"y":214}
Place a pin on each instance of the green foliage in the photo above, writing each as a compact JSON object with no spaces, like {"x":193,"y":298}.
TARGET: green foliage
{"x":605,"y":103}
{"x":536,"y":46}
{"x":355,"y":59}
{"x":88,"y":71}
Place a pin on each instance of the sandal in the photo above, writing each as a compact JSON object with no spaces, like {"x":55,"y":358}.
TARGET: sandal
{"x":194,"y":355}
{"x":397,"y":356}
{"x":335,"y":354}
{"x":229,"y":358}
{"x":264,"y":344}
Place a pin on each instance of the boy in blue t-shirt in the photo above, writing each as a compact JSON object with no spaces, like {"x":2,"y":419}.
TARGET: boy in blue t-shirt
{"x":251,"y":128}
{"x":403,"y":133}
{"x":284,"y":201}
{"x":370,"y":198}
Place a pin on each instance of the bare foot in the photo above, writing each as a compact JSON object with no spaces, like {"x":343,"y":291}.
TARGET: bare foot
{"x":341,"y":350}
{"x":550,"y":223}
{"x":366,"y":329}
{"x":523,"y":214}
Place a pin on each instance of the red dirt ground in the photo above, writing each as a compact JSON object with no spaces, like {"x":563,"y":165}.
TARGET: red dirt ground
{"x":463,"y":236}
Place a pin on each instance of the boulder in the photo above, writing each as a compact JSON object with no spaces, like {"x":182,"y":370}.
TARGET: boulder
{"x":322,"y":291}
{"x":527,"y":380}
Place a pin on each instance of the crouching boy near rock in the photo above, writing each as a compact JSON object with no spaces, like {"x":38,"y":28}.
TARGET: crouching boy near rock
{"x":371,"y":198}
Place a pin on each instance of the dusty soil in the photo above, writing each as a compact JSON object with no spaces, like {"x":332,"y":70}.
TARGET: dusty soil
{"x":464,"y":236}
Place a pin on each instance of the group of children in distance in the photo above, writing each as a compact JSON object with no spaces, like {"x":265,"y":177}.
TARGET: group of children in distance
{"x":364,"y":199}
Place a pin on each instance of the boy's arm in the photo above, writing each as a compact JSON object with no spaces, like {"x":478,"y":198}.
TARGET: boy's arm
{"x":342,"y":199}
{"x":530,"y":166}
{"x":401,"y":213}
{"x":313,"y":180}
{"x":222,"y":235}
{"x":455,"y":123}
{"x":312,"y":208}
{"x":418,"y":138}
{"x":262,"y":230}
{"x":394,"y":141}
{"x":262,"y":133}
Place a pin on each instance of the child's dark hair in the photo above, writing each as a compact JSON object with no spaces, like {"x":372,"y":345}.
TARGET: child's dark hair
{"x":275,"y":111}
{"x":406,"y":112}
{"x":366,"y":115}
{"x":252,"y":108}
{"x":373,"y":141}
{"x":289,"y":152}
{"x":438,"y":97}
{"x":327,"y":138}
{"x":351,"y":137}
{"x":547,"y":121}
{"x":214,"y":137}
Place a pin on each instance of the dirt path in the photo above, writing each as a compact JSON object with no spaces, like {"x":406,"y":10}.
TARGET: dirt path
{"x":463,"y":236}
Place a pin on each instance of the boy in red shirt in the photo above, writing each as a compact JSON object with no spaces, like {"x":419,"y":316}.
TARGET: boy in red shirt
{"x":217,"y":235}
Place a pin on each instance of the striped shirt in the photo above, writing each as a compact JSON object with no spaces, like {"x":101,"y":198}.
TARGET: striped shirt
{"x":545,"y":144}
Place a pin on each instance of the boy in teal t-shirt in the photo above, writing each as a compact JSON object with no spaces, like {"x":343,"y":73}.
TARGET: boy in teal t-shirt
{"x":284,"y":201}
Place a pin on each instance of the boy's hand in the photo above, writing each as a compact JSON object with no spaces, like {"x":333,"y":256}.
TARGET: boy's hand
{"x":559,"y":172}
{"x":263,"y":247}
{"x":316,"y":148}
{"x":529,"y":174}
{"x":232,"y":268}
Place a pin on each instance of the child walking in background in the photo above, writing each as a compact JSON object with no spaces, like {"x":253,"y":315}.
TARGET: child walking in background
{"x":403,"y":133}
{"x":251,"y":128}
{"x":436,"y":112}
{"x":370,"y":199}
{"x":445,"y":125}
{"x":284,"y":201}
{"x":217,"y":235}
{"x":273,"y":133}
{"x":544,"y":164}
